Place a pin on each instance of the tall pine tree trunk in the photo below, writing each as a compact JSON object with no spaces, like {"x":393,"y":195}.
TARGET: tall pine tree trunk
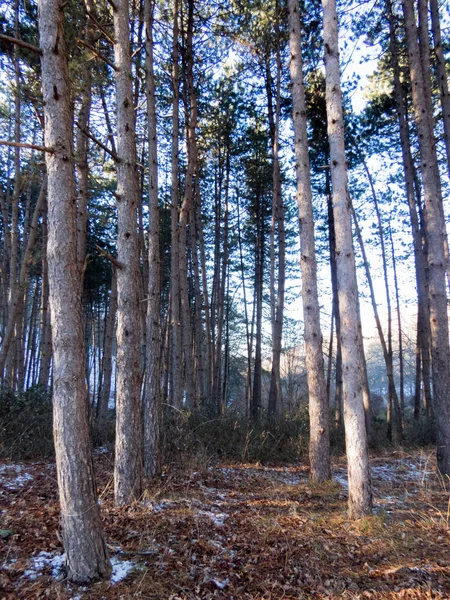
{"x":442,"y":76}
{"x":435,"y":238}
{"x":128,"y":461}
{"x":80,"y":515}
{"x":420,"y":256}
{"x":152,"y":400}
{"x":106,"y":373}
{"x":360,"y":495}
{"x":277,"y":232}
{"x":175,"y":322}
{"x":319,"y":448}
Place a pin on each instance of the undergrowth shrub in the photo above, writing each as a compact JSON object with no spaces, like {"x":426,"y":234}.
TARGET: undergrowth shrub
{"x":25,"y":424}
{"x":421,"y":432}
{"x":193,"y":436}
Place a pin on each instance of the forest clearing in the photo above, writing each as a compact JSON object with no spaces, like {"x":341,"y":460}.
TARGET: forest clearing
{"x":224,"y":299}
{"x":242,"y":531}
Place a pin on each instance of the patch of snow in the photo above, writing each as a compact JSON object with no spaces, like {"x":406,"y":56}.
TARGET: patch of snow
{"x":290,"y":479}
{"x":101,"y":450}
{"x":161,"y":506}
{"x":404,"y":470}
{"x":120,"y":569}
{"x":217,"y":518}
{"x":342,"y":479}
{"x":13,"y":476}
{"x":221,"y":584}
{"x":46,"y":560}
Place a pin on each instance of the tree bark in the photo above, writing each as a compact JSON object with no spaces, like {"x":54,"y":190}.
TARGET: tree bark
{"x":442,"y":76}
{"x":435,"y":237}
{"x":420,"y":252}
{"x":175,"y":325}
{"x":256,"y":402}
{"x":360,"y":495}
{"x":152,"y":395}
{"x":106,"y":374}
{"x":277,"y":296}
{"x":186,"y":208}
{"x":319,"y":447}
{"x":82,"y":145}
{"x":128,"y":462}
{"x":80,"y":515}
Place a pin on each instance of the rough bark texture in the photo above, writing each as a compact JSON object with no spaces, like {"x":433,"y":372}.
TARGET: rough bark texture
{"x":277,"y":295}
{"x":152,"y":402}
{"x":80,"y":515}
{"x":360,"y":495}
{"x":186,"y":208}
{"x":319,"y":448}
{"x":420,"y":259}
{"x":442,"y":75}
{"x":128,"y":465}
{"x":175,"y":324}
{"x":82,"y":144}
{"x":435,"y":237}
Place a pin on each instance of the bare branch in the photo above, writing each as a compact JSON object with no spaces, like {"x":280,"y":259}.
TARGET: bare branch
{"x":21,"y":43}
{"x":100,"y":26}
{"x":23,"y":145}
{"x":97,"y":54}
{"x":109,"y":257}
{"x":98,"y":142}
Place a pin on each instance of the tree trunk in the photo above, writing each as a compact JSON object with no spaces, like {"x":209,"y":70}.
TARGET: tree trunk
{"x":220,"y":289}
{"x":360,"y":495}
{"x":386,"y":347}
{"x":82,"y":144}
{"x":319,"y":447}
{"x":255,"y":406}
{"x":152,"y":400}
{"x":175,"y":326}
{"x":128,"y":462}
{"x":442,"y":76}
{"x":435,"y":237}
{"x":106,"y":374}
{"x":420,"y":252}
{"x":186,"y":208}
{"x":400,"y":336}
{"x":248,"y":377}
{"x":80,"y":515}
{"x":45,"y":350}
{"x":208,"y":341}
{"x":19,"y":286}
{"x":277,"y":296}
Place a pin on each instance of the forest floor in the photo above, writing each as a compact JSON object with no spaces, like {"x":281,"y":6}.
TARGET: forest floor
{"x":239,"y":531}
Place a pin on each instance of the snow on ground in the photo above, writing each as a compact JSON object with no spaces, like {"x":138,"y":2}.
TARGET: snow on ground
{"x":120,"y":569}
{"x":46,"y":560}
{"x":51,"y":561}
{"x":217,"y":518}
{"x":13,"y":477}
{"x":398,"y":473}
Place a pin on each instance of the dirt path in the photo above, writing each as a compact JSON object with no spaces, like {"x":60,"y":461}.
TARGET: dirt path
{"x":239,"y":531}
